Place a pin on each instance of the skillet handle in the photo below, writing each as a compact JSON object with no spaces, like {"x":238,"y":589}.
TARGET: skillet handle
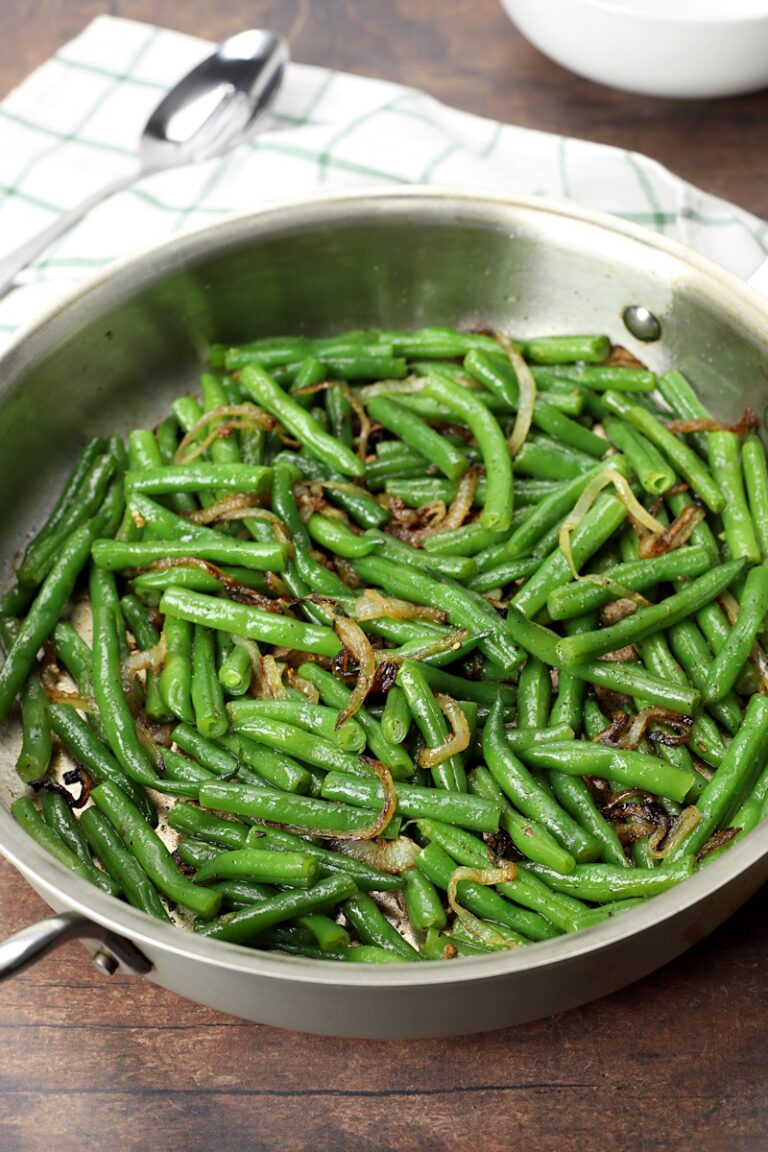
{"x":33,"y":943}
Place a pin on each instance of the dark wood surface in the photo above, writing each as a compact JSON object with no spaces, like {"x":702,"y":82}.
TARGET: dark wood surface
{"x":675,"y":1062}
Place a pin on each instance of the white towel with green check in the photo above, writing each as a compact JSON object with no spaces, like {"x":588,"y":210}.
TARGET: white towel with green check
{"x":73,"y":125}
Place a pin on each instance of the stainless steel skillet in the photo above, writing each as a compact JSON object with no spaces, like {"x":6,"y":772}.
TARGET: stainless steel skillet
{"x":112,"y":355}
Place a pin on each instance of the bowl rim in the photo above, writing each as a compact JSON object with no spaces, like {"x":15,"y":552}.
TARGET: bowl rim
{"x":66,"y":890}
{"x":638,"y":11}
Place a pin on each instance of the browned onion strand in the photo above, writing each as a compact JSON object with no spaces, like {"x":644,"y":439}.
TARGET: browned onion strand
{"x":357,"y":644}
{"x":372,"y":605}
{"x":238,"y":506}
{"x":677,"y":534}
{"x":527,"y":394}
{"x":748,"y":423}
{"x":247,"y":417}
{"x":456,"y":743}
{"x":627,"y":731}
{"x":480,"y":929}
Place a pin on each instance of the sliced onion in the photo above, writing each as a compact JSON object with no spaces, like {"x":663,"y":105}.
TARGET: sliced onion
{"x":49,"y":674}
{"x":688,"y":819}
{"x":527,"y":393}
{"x":359,"y":647}
{"x":747,"y":423}
{"x":391,"y":856}
{"x":246,"y":416}
{"x":461,"y":505}
{"x":482,"y":931}
{"x":457,"y":742}
{"x":627,"y":731}
{"x":677,"y":534}
{"x":634,"y":508}
{"x":372,"y":606}
{"x":306,"y":687}
{"x":147,"y":660}
{"x":237,"y":506}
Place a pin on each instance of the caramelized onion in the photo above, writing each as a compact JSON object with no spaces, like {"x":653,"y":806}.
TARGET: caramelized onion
{"x":246,"y":416}
{"x":483,"y":932}
{"x":372,"y":605}
{"x":457,"y":742}
{"x":48,"y":678}
{"x":391,"y":856}
{"x":627,"y":731}
{"x":236,"y":506}
{"x":146,"y":660}
{"x":357,"y":644}
{"x":635,"y":510}
{"x":747,"y":423}
{"x":685,"y":823}
{"x":677,"y":534}
{"x":378,"y":825}
{"x":527,"y":393}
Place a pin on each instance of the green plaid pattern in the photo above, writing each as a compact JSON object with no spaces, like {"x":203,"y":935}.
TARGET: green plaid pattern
{"x":72,"y":126}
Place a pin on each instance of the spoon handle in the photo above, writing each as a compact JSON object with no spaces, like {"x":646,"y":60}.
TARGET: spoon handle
{"x":12,"y":264}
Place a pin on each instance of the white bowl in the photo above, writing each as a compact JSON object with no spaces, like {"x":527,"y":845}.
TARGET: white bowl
{"x":680,"y":48}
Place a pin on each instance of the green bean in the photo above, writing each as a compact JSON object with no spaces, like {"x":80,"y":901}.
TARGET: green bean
{"x":245,"y":620}
{"x":365,"y":916}
{"x":552,"y":509}
{"x":60,"y":819}
{"x":627,"y":678}
{"x":598,"y":525}
{"x":695,"y":655}
{"x":43,"y":613}
{"x":417,"y":434}
{"x":483,"y":901}
{"x":565,"y":349}
{"x":206,"y":692}
{"x":116,"y":556}
{"x":612,"y":882}
{"x":246,"y":924}
{"x":756,"y":480}
{"x":497,"y":510}
{"x":27,"y":816}
{"x":294,"y":869}
{"x":730,"y":659}
{"x":336,"y":694}
{"x":121,"y":865}
{"x":650,"y":467}
{"x":645,"y":621}
{"x":315,"y":718}
{"x":631,"y":769}
{"x":528,"y":795}
{"x":339,"y":539}
{"x":268,"y":395}
{"x":599,"y":377}
{"x":415,"y":802}
{"x":422,"y":902}
{"x":426,"y":712}
{"x":534,"y":694}
{"x":396,"y":718}
{"x":545,"y":459}
{"x":467,"y":540}
{"x":682,"y":458}
{"x":353,"y":500}
{"x":283,"y":808}
{"x":36,"y":739}
{"x":85,"y":504}
{"x":151,"y":853}
{"x":146,"y":637}
{"x":594,"y":590}
{"x":85,"y":747}
{"x":365,"y":876}
{"x":175,"y":677}
{"x":236,"y":669}
{"x":466,"y":609}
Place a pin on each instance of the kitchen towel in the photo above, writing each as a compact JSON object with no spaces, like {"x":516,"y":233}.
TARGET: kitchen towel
{"x":74,"y":124}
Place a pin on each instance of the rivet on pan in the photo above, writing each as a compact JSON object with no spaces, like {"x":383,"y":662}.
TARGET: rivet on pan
{"x":105,"y":962}
{"x":642,"y":323}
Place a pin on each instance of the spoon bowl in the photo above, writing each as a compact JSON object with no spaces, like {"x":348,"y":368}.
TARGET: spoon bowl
{"x":211,"y":110}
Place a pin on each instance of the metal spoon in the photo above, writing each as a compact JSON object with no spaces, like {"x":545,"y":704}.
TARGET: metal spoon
{"x":211,"y":110}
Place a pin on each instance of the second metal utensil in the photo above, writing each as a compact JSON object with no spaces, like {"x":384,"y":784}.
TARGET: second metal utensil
{"x":211,"y":110}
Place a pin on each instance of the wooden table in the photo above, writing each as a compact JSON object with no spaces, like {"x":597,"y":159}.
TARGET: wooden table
{"x":675,"y":1062}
